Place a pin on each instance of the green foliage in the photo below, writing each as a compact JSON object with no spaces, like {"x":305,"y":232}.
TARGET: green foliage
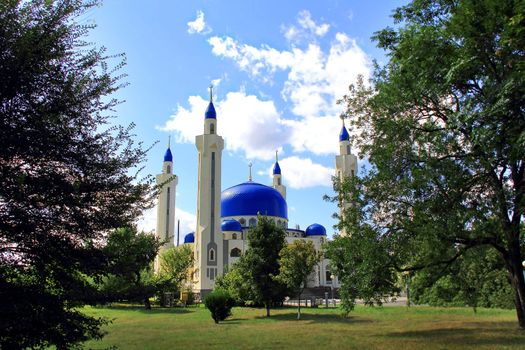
{"x":297,"y":262}
{"x":260,"y":263}
{"x":130,"y":254}
{"x":444,"y":129}
{"x":67,"y":177}
{"x":236,"y":283}
{"x":478,"y":279}
{"x":175,"y":264}
{"x":220,"y":304}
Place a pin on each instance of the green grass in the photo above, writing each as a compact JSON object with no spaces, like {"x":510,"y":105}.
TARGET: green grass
{"x":367,"y":328}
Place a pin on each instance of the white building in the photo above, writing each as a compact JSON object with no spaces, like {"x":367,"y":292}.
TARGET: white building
{"x":224,"y":218}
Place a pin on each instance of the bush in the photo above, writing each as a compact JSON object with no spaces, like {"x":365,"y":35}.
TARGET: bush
{"x":220,"y":303}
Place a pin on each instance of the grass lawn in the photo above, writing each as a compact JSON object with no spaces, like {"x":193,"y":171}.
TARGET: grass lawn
{"x":367,"y":328}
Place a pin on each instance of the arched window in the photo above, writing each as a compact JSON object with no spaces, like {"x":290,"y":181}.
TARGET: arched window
{"x":348,"y":149}
{"x":168,"y":169}
{"x":212,"y":128}
{"x":234,"y":236}
{"x":253,"y":222}
{"x":242,"y":222}
{"x":212,"y":255}
{"x":235,"y":253}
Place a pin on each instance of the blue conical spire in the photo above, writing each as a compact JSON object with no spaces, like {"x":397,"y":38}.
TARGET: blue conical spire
{"x":344,"y":136}
{"x":210,"y":111}
{"x":168,"y":157}
{"x":276,"y":167}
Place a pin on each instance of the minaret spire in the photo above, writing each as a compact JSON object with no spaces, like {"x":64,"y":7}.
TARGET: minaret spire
{"x":250,"y":166}
{"x":169,"y":141}
{"x":211,"y":92}
{"x":276,"y":157}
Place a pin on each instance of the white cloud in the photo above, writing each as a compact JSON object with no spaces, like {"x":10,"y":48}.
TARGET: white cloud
{"x":148,"y":221}
{"x":315,"y":81}
{"x":307,"y":28}
{"x":247,"y":123}
{"x":199,"y":26}
{"x":302,"y":173}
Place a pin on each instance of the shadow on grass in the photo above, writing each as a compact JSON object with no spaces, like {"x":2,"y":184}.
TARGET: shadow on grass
{"x":320,"y":318}
{"x":500,"y":334}
{"x":153,"y":310}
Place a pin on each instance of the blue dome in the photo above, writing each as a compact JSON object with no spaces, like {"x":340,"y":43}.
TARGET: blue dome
{"x":210,"y":112}
{"x":276,"y":169}
{"x":343,"y":136}
{"x":315,"y":230}
{"x":231,"y":225}
{"x":251,"y":198}
{"x":189,"y":238}
{"x":167,"y":156}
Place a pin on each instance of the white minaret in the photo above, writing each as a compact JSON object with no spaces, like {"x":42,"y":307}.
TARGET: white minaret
{"x":345,"y":165}
{"x":167,"y":182}
{"x":208,"y":236}
{"x":277,"y":179}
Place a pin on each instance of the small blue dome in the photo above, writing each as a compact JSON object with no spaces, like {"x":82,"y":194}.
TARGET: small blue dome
{"x":189,"y":238}
{"x":315,"y":230}
{"x":167,"y":156}
{"x":251,"y":198}
{"x":231,"y":225}
{"x":276,"y":169}
{"x":344,"y":136}
{"x":210,"y":112}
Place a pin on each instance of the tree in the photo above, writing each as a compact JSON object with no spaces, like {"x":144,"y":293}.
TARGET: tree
{"x":66,"y":174}
{"x":236,"y":281}
{"x":220,"y":304}
{"x":261,"y":261}
{"x":175,"y":264}
{"x":297,"y":263}
{"x":443,"y":126}
{"x":131,"y":255}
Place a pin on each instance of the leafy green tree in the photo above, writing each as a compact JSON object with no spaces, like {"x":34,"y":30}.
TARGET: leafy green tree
{"x":443,"y":126}
{"x":175,"y":264}
{"x":131,"y":255}
{"x":220,"y":304}
{"x":67,"y":175}
{"x":477,"y":279}
{"x":261,"y":262}
{"x":297,"y":262}
{"x":236,"y":282}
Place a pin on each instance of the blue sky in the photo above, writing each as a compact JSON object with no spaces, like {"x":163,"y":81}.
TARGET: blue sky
{"x":278,"y":67}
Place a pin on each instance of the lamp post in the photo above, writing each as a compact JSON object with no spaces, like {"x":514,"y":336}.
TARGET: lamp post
{"x":332,"y":277}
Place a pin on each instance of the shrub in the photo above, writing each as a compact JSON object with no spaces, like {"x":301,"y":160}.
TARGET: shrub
{"x":220,"y":303}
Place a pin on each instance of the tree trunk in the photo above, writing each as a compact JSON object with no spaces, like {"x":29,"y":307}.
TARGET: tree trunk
{"x":147,"y":304}
{"x":299,"y":307}
{"x":518,"y":286}
{"x":267,"y":309}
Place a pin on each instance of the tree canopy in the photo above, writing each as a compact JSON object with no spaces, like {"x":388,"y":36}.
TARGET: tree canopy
{"x":260,"y":263}
{"x":297,"y":261}
{"x":68,"y":175}
{"x":443,"y":126}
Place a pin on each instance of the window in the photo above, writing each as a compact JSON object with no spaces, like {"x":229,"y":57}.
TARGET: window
{"x":352,"y":173}
{"x":348,"y":149}
{"x":212,"y":128}
{"x":235,"y":253}
{"x":212,"y":255}
{"x":253,"y":222}
{"x":279,"y":181}
{"x":242,"y":222}
{"x":279,"y":223}
{"x":234,"y":236}
{"x":328,"y":277}
{"x":168,"y":169}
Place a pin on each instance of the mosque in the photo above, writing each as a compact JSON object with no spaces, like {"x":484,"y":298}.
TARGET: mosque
{"x":224,"y":218}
